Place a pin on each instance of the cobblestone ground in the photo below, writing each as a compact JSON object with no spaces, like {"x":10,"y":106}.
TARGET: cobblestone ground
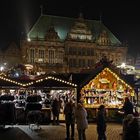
{"x":51,"y":132}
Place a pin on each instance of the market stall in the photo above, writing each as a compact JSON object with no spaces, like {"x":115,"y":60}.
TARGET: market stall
{"x":105,"y":88}
{"x":47,"y":87}
{"x":54,"y":86}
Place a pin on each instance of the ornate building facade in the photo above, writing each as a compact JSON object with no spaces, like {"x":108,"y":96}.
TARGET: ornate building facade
{"x":69,"y":45}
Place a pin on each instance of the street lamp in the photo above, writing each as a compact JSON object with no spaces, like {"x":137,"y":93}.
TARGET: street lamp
{"x":1,"y":68}
{"x":28,"y":39}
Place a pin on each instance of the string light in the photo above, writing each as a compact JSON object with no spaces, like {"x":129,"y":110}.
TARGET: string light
{"x":37,"y":81}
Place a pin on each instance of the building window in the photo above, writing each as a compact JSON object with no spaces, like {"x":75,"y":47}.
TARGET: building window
{"x":90,"y":63}
{"x":51,"y":55}
{"x":79,"y":51}
{"x":32,"y":55}
{"x":83,"y":63}
{"x":41,"y":56}
{"x":66,"y":50}
{"x":72,"y":63}
{"x":60,"y":56}
{"x":90,"y":51}
{"x":80,"y":63}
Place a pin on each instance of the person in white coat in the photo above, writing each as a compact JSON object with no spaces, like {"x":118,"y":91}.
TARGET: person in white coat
{"x":81,"y":120}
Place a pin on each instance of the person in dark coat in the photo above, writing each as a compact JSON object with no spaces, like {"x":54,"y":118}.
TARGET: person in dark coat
{"x":101,"y":123}
{"x":130,"y":128}
{"x":127,"y":107}
{"x":56,"y":111}
{"x":69,"y":112}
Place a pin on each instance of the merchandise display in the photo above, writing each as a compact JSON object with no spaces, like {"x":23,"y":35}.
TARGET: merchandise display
{"x":106,"y":88}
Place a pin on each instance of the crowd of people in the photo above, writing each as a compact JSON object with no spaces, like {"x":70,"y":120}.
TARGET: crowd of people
{"x":76,"y":114}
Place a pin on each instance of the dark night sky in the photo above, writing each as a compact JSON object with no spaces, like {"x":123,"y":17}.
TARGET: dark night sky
{"x":120,"y":16}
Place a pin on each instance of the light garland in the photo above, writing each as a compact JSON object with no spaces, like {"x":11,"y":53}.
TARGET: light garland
{"x":38,"y":81}
{"x":115,"y":75}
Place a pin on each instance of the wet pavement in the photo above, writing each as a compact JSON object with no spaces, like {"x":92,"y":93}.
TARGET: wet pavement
{"x":57,"y":132}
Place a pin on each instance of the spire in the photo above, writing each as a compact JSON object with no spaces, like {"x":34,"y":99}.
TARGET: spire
{"x":81,"y":13}
{"x":101,"y":17}
{"x":81,"y":17}
{"x":41,"y":10}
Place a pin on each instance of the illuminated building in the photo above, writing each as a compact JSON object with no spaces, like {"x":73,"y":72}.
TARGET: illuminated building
{"x":65,"y":45}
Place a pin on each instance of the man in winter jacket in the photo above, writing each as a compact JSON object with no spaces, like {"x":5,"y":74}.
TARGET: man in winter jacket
{"x":101,"y":123}
{"x":69,"y":112}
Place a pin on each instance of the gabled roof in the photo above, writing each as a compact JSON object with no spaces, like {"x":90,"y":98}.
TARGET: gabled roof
{"x":51,"y":81}
{"x":63,"y":25}
{"x":83,"y":79}
{"x":44,"y":81}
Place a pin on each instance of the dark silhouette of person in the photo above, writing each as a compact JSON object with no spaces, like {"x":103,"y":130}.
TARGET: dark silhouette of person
{"x":130,"y":128}
{"x":101,"y":123}
{"x":127,"y":107}
{"x":56,"y":111}
{"x":69,"y":112}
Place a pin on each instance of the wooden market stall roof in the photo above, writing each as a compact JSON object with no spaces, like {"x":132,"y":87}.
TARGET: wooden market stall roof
{"x":6,"y":82}
{"x":85,"y":77}
{"x":43,"y":81}
{"x":50,"y":81}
